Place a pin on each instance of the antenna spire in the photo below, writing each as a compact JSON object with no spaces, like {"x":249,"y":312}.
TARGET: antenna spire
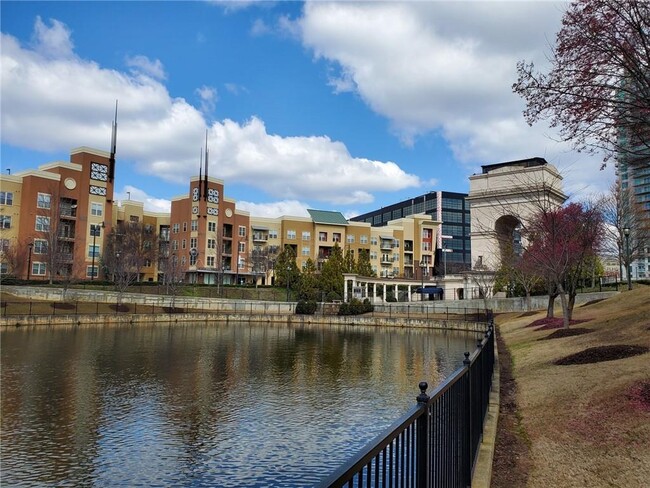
{"x":200,"y":169}
{"x":111,"y":170}
{"x":205,"y":183}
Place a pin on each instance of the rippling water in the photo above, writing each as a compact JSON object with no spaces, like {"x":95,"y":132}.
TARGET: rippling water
{"x":205,"y":405}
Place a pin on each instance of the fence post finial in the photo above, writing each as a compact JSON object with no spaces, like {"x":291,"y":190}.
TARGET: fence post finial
{"x":466,"y":361}
{"x":423,"y":397}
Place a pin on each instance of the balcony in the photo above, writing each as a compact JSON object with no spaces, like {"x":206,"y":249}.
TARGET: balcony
{"x":260,"y":237}
{"x":387,"y":244}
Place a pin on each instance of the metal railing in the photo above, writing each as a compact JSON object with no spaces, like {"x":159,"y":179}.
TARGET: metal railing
{"x":435,"y":443}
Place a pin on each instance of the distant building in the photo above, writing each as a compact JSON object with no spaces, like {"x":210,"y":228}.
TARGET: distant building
{"x":452,"y":239}
{"x":204,"y":238}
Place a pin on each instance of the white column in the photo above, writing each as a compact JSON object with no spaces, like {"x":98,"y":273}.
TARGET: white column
{"x":345,"y":289}
{"x":384,"y":297}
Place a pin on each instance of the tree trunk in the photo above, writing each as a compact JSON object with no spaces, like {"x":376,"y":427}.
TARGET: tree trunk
{"x":529,"y":304}
{"x":572,"y":302}
{"x":550,"y":309}
{"x":565,"y":307}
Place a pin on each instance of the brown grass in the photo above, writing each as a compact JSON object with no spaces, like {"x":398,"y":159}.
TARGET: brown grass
{"x":586,"y":424}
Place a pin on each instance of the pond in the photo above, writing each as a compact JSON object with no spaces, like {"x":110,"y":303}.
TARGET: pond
{"x":206,"y":405}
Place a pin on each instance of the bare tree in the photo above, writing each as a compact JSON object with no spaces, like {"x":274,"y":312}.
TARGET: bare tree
{"x":597,"y":91}
{"x":125,"y":255}
{"x":172,"y":274}
{"x":482,"y":277}
{"x":620,"y":212}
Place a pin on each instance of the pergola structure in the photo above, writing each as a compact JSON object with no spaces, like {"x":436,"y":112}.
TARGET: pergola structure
{"x":361,"y":287}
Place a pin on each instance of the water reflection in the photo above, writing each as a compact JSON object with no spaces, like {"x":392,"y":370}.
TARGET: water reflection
{"x":205,"y":405}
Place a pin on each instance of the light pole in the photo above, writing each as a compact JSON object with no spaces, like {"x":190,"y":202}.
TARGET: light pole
{"x":29,"y":259}
{"x":94,"y":230}
{"x":423,"y":268}
{"x":628,"y":265}
{"x":288,"y":270}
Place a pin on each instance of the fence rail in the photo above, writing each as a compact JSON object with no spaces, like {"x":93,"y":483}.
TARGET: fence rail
{"x":435,"y":443}
{"x":164,"y":305}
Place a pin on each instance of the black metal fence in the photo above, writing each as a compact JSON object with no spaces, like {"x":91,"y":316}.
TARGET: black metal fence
{"x":10,"y":308}
{"x":436,"y":443}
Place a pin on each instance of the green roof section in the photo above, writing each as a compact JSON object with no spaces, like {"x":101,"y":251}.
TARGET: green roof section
{"x":327,"y":217}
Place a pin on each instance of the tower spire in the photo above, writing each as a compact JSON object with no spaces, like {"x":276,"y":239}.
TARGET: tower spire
{"x":200,"y":169}
{"x":111,"y":169}
{"x":205,"y":183}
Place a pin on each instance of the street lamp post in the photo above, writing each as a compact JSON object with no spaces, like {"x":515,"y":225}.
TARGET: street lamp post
{"x":287,"y":277}
{"x":29,"y":259}
{"x":94,"y":230}
{"x":423,"y":268}
{"x":628,"y":265}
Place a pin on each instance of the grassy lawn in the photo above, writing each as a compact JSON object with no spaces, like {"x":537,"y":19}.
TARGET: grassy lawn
{"x":581,"y":424}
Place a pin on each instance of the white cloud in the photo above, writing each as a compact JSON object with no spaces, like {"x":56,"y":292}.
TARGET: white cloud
{"x":260,"y":28}
{"x":143,"y":65}
{"x":275,"y":210}
{"x":299,"y":167}
{"x":208,"y":97}
{"x":52,"y":42}
{"x":151,"y":203}
{"x":442,"y":67}
{"x":41,"y":95}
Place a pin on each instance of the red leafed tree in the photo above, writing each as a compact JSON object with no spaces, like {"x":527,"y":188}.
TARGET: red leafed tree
{"x":560,"y":243}
{"x":597,"y":90}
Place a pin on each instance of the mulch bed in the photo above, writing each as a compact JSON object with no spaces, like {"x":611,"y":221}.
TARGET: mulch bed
{"x":553,"y":323}
{"x":601,"y":354}
{"x":566,"y":333}
{"x":511,"y":463}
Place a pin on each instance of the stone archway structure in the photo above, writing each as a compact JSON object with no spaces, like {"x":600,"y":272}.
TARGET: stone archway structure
{"x":503,"y":198}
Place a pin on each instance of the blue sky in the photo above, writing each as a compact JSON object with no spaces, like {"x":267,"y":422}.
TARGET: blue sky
{"x":336,"y":106}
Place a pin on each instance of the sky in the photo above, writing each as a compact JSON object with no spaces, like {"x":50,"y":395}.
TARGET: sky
{"x":334,"y":106}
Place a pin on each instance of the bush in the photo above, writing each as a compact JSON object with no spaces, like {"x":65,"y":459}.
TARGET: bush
{"x":356,"y":307}
{"x":332,"y":297}
{"x":306,"y":307}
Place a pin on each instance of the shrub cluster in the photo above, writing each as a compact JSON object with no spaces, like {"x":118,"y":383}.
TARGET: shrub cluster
{"x":355,"y":307}
{"x":306,"y":307}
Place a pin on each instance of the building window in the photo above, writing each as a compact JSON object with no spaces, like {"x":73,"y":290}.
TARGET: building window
{"x":147,"y":263}
{"x":44,"y":200}
{"x":273,"y":234}
{"x":373,"y":241}
{"x":5,"y":222}
{"x":364,"y":239}
{"x":241,"y":247}
{"x":291,"y":234}
{"x":93,"y":251}
{"x":91,"y":271}
{"x":42,"y":224}
{"x":350,"y":239}
{"x":305,"y":251}
{"x":96,"y":209}
{"x":184,"y":244}
{"x":427,"y":233}
{"x":306,"y":236}
{"x":426,"y":246}
{"x":193,"y":243}
{"x":212,"y":244}
{"x":39,"y":269}
{"x":174,"y":245}
{"x":212,"y":227}
{"x":322,"y":236}
{"x":336,"y":236}
{"x":195,"y":225}
{"x":184,"y":226}
{"x":40,"y":246}
{"x":193,"y":260}
{"x":210,"y":261}
{"x":183,"y":260}
{"x":176,"y":228}
{"x":242,"y":231}
{"x":6,"y":198}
